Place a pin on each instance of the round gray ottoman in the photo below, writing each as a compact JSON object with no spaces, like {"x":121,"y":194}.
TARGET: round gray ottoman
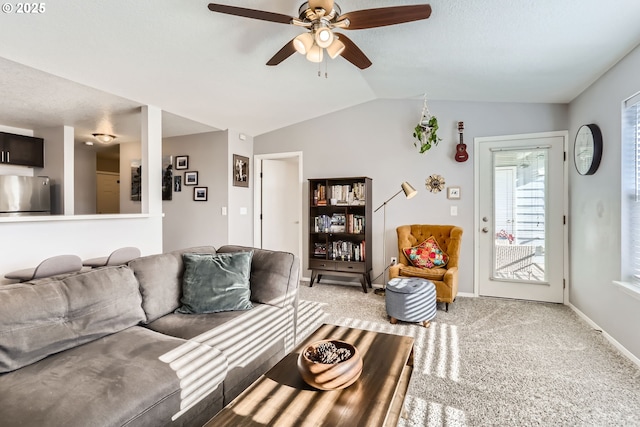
{"x":411,"y":299}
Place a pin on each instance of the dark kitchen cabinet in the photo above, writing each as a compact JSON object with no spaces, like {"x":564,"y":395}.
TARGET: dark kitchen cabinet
{"x":21,"y":150}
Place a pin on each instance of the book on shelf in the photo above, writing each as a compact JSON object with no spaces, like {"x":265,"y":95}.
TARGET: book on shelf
{"x":338,"y":223}
{"x":322,"y":224}
{"x":348,"y":195}
{"x":355,"y":224}
{"x":346,"y":251}
{"x":320,"y":195}
{"x":320,"y":250}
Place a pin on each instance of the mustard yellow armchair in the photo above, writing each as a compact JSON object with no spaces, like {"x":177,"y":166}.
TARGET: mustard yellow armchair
{"x":446,"y":279}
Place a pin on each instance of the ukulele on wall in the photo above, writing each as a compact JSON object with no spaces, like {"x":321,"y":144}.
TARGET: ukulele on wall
{"x":461,"y":148}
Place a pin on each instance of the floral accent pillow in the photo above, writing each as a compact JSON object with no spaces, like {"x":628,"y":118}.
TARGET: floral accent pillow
{"x":427,"y":254}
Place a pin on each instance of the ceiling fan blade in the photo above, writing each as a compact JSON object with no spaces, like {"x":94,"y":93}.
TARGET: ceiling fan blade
{"x":352,"y":53}
{"x":250,"y":13}
{"x":324,"y":4}
{"x":286,"y":51}
{"x":371,"y":18}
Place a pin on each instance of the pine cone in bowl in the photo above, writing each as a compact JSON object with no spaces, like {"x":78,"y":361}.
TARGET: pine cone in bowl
{"x":330,"y":364}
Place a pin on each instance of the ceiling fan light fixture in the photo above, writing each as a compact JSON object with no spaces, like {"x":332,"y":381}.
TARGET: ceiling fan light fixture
{"x":103,"y":137}
{"x":335,"y":49}
{"x":303,"y":43}
{"x":315,"y":53}
{"x":324,"y":37}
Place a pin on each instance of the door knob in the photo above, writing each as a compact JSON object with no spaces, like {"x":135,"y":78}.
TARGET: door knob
{"x":485,"y":219}
{"x":485,"y":229}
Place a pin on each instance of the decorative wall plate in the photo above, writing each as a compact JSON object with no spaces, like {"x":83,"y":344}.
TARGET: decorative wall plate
{"x":435,"y":183}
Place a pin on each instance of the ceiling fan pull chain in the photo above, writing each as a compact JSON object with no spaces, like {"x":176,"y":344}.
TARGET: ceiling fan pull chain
{"x":326,"y":67}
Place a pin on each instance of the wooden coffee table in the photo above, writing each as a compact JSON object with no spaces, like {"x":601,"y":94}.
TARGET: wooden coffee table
{"x":281,"y":398}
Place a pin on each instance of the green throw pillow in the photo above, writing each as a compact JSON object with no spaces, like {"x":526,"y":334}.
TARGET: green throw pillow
{"x":215,"y":282}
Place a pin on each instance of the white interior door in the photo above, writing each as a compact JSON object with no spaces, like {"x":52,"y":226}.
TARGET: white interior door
{"x":521,"y":216}
{"x":281,"y":205}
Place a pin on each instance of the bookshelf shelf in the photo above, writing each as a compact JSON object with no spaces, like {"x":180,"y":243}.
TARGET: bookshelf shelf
{"x":340,"y":228}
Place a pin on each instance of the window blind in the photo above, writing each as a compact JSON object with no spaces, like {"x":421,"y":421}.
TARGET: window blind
{"x":631,"y":181}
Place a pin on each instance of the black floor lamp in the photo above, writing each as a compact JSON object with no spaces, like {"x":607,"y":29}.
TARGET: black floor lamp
{"x":409,"y":192}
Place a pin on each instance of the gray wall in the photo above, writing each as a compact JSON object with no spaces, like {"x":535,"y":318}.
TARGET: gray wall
{"x":595,"y":224}
{"x":85,"y":180}
{"x":375,"y":139}
{"x":187,"y":222}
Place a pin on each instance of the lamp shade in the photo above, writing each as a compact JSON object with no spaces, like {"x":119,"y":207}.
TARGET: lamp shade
{"x":303,"y":43}
{"x":335,"y":49}
{"x":324,"y":37}
{"x":315,"y":53}
{"x":409,"y":191}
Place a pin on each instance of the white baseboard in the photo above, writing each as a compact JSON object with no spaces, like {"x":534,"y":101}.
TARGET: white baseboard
{"x":375,"y":285}
{"x":622,"y":349}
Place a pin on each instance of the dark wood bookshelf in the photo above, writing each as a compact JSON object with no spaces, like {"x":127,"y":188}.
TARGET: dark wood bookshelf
{"x":339,"y":234}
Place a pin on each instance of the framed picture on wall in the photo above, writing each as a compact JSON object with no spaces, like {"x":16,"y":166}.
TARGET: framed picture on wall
{"x":240,"y":169}
{"x":191,"y":178}
{"x":453,"y":193}
{"x":200,"y":194}
{"x":177,"y":184}
{"x":182,"y":162}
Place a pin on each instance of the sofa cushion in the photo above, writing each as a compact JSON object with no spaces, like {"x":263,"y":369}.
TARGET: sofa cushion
{"x":251,"y":341}
{"x":45,"y":316}
{"x":427,"y":254}
{"x":118,"y":380}
{"x":425,"y":273}
{"x":160,"y":278}
{"x":274,"y":275}
{"x":215,"y":282}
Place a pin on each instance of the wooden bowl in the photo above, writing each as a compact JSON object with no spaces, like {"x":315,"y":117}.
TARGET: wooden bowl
{"x":332,"y":376}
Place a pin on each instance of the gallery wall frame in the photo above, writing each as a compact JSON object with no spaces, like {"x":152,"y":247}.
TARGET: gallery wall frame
{"x":240,"y":168}
{"x":200,"y":194}
{"x":191,"y":178}
{"x":182,"y":162}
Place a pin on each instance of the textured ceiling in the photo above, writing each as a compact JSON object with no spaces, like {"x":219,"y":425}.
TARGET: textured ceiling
{"x":209,"y":68}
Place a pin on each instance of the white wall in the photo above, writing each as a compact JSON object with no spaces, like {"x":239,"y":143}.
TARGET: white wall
{"x":25,"y":244}
{"x":240,"y":198}
{"x":187,"y":222}
{"x":595,"y":219}
{"x":375,"y":140}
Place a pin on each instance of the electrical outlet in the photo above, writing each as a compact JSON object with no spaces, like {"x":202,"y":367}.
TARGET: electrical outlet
{"x":394,"y":260}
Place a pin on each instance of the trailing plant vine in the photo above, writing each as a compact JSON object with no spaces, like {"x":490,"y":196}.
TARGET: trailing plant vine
{"x":426,"y":131}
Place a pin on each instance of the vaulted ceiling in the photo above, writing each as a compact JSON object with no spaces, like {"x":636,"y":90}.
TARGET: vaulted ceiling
{"x":95,"y":59}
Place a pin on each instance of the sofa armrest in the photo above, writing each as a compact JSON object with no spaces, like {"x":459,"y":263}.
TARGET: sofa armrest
{"x":394,"y":271}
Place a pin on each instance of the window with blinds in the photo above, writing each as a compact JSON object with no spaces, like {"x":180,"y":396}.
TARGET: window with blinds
{"x":631,"y":187}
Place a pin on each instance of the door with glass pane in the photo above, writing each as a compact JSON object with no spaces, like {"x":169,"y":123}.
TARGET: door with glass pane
{"x":521,"y":208}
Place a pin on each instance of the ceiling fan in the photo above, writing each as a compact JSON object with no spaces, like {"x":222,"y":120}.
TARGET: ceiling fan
{"x":321,"y":17}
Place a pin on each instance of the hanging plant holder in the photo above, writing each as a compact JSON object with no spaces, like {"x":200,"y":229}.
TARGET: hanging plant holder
{"x":426,"y":131}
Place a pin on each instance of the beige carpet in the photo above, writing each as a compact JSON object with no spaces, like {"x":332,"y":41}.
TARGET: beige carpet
{"x":495,"y":362}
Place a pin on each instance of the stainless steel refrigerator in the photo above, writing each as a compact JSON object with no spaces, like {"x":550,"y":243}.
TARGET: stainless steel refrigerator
{"x":24,"y":195}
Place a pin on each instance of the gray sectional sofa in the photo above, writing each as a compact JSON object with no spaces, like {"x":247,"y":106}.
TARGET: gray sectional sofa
{"x":105,"y":347}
